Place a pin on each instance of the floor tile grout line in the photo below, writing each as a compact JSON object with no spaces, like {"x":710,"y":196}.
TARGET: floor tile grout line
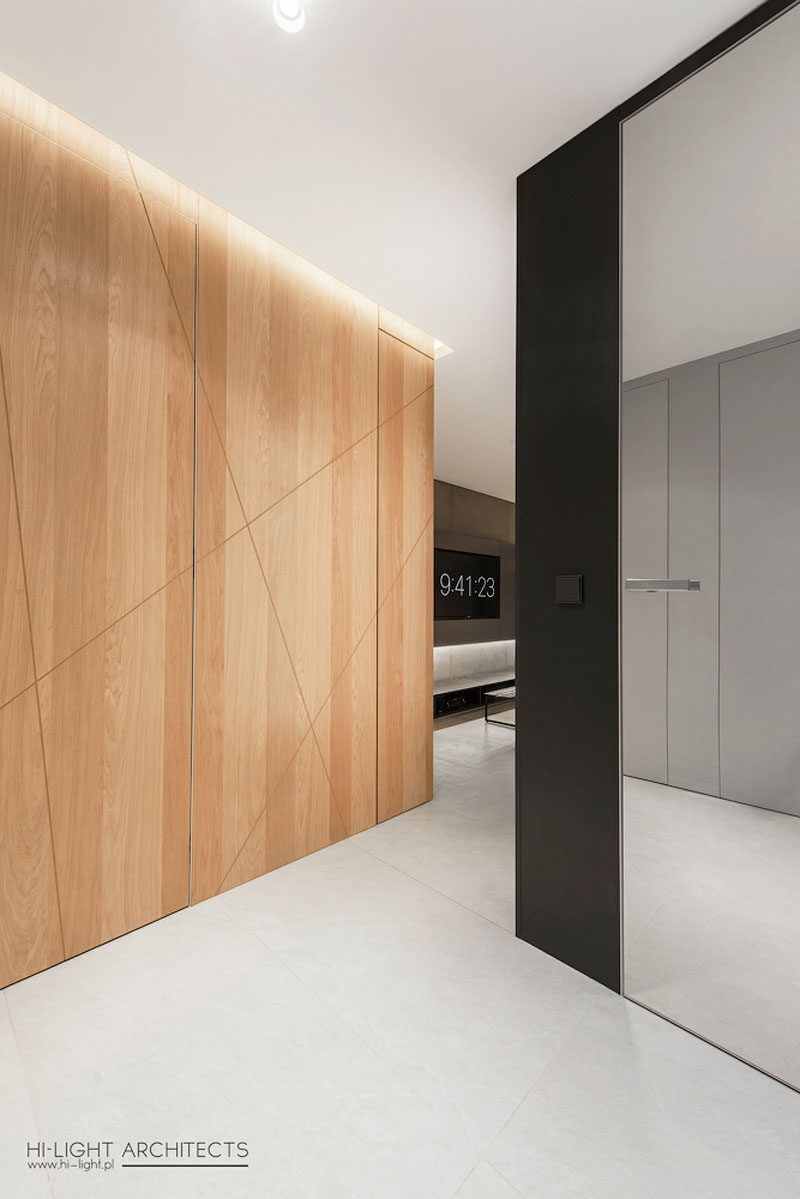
{"x":25,"y":1080}
{"x":408,"y":1086}
{"x":421,"y":882}
{"x":26,"y":586}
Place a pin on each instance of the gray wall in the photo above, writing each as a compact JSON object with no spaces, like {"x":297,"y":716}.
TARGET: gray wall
{"x":711,"y":193}
{"x":711,"y":679}
{"x":481,"y":524}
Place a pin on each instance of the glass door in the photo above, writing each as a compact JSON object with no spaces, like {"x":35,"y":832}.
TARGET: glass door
{"x":710,"y":561}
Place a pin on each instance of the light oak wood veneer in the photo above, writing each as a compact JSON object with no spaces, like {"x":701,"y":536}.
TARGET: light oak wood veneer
{"x":405,"y":578}
{"x":405,"y":685}
{"x":99,"y":390}
{"x":16,"y":661}
{"x":287,"y":357}
{"x":286,"y":693}
{"x":405,"y":373}
{"x":312,"y":420}
{"x":96,"y":473}
{"x":249,"y":715}
{"x":116,"y":723}
{"x":30,"y":932}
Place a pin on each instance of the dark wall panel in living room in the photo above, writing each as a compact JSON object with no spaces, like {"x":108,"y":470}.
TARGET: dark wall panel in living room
{"x":480,"y":524}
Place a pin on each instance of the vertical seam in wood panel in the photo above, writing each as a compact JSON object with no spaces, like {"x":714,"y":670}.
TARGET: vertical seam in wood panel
{"x":377,"y":567}
{"x":192,"y":347}
{"x":719,"y":578}
{"x":194,"y":564}
{"x":33,"y":650}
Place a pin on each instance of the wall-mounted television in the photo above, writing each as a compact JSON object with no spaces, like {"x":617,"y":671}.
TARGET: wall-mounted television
{"x":466,"y":586}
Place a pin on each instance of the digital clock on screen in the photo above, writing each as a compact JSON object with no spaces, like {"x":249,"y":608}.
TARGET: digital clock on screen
{"x":466,"y":586}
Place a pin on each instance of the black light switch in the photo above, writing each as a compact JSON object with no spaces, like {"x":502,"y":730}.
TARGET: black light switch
{"x":569,"y":589}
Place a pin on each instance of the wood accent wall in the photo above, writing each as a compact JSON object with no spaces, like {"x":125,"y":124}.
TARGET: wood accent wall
{"x":405,"y":571}
{"x":96,"y":479}
{"x":286,"y":605}
{"x":207,"y":446}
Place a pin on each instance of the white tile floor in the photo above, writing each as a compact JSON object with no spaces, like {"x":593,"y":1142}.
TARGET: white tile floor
{"x":366,"y":1019}
{"x":712,"y":931}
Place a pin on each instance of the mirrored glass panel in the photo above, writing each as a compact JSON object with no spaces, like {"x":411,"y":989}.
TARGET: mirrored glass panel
{"x":710,"y":587}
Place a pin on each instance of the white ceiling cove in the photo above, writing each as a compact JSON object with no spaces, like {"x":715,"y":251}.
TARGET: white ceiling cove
{"x":381,"y":143}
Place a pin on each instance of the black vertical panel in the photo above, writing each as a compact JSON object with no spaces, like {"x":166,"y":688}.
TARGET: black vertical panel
{"x":568,"y":890}
{"x":568,"y":819}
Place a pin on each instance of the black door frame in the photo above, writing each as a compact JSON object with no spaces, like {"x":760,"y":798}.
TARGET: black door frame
{"x":568,"y":769}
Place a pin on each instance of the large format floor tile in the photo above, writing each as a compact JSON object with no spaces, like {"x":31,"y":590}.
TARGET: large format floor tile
{"x":712,"y":895}
{"x":365,"y":1019}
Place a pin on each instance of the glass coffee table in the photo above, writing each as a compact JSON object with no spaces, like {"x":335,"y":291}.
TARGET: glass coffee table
{"x":499,"y":695}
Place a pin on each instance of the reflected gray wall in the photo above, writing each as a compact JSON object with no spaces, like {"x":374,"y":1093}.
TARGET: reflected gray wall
{"x":711,"y":679}
{"x":645,"y":531}
{"x":760,"y":578}
{"x":711,"y":195}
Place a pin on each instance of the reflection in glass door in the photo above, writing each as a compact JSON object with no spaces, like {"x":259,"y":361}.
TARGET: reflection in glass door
{"x":710,"y":487}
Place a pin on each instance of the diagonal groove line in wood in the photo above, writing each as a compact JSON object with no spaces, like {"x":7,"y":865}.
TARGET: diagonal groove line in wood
{"x":189,"y":342}
{"x":95,"y":636}
{"x":390,"y":588}
{"x":294,"y":672}
{"x":7,"y":702}
{"x":408,"y":344}
{"x":330,"y":462}
{"x":263,"y":810}
{"x":33,"y":649}
{"x":188,"y":339}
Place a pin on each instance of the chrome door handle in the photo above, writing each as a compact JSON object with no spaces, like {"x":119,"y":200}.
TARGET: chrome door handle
{"x":662,"y":584}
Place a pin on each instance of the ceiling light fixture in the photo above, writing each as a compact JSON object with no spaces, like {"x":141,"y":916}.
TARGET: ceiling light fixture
{"x":289,"y":14}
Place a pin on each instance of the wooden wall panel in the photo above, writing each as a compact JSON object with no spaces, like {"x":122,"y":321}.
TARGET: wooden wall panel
{"x":30,"y":932}
{"x":405,"y":373}
{"x":287,"y":445}
{"x":90,"y":331}
{"x":102,"y":309}
{"x":96,"y":473}
{"x":405,"y":577}
{"x":250,"y":719}
{"x":406,"y":485}
{"x":405,"y":685}
{"x":286,"y":355}
{"x":404,"y":331}
{"x":53,"y":123}
{"x":16,"y":661}
{"x":116,"y":729}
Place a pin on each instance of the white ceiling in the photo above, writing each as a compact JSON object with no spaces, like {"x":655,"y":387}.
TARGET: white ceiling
{"x":382,"y":142}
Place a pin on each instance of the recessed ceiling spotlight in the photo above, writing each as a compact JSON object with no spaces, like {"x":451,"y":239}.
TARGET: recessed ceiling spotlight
{"x":289,"y":14}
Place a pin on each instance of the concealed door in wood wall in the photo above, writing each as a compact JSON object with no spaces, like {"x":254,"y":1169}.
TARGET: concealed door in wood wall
{"x":405,"y":573}
{"x":98,"y":404}
{"x":287,"y":464}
